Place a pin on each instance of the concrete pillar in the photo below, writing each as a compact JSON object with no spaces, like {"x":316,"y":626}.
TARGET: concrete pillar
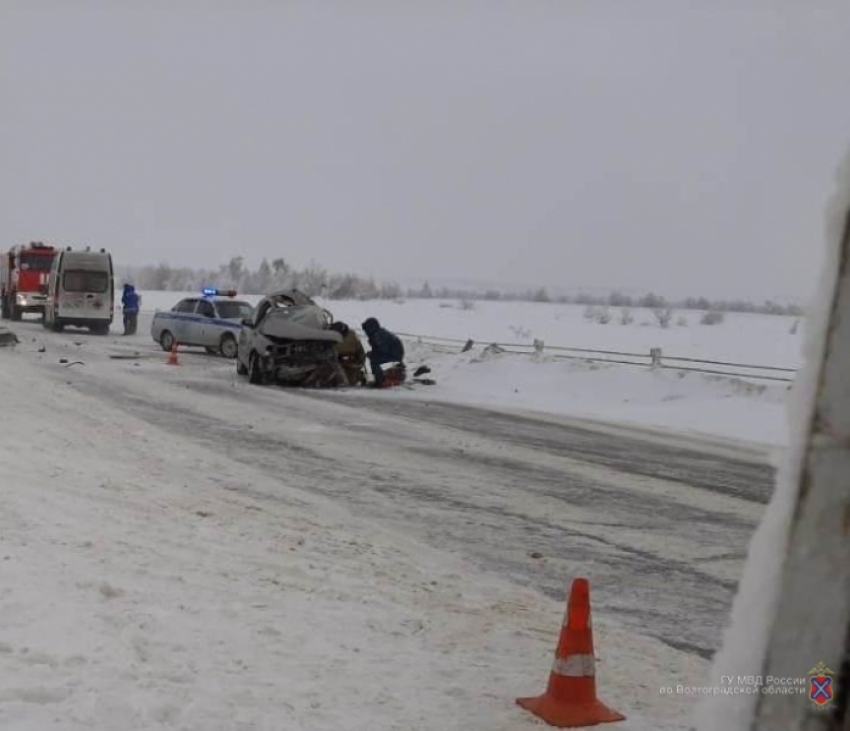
{"x":812,"y":623}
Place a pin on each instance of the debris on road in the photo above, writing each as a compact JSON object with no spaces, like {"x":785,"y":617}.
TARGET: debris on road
{"x":7,"y":337}
{"x":133,"y":356}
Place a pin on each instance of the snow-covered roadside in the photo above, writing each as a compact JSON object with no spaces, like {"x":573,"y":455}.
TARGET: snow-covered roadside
{"x":741,"y":337}
{"x":147,"y":583}
{"x":741,"y":409}
{"x":675,"y":400}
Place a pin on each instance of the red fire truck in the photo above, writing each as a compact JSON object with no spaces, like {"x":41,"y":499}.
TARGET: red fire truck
{"x":24,"y":271}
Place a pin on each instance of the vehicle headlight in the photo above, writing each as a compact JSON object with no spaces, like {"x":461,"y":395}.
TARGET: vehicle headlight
{"x":21,"y":299}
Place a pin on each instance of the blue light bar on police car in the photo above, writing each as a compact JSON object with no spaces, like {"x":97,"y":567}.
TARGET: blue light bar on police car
{"x":215,"y":292}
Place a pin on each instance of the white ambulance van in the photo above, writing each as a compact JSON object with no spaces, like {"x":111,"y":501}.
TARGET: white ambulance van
{"x":81,"y":291}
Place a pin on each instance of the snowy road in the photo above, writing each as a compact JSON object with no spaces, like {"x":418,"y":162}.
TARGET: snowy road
{"x":661,"y":543}
{"x":659,"y":525}
{"x":660,"y":528}
{"x":649,"y":521}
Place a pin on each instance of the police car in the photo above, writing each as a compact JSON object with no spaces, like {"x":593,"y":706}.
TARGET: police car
{"x":212,"y":321}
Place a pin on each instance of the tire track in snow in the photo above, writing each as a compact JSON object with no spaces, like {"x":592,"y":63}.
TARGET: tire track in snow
{"x":736,"y":478}
{"x":494,"y":509}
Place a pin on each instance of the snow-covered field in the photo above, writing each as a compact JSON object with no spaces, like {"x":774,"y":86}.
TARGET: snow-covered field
{"x":691,"y":402}
{"x":726,"y":407}
{"x":740,"y":338}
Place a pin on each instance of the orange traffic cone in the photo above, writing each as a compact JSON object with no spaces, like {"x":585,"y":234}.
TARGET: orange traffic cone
{"x":570,"y":699}
{"x":172,"y":356}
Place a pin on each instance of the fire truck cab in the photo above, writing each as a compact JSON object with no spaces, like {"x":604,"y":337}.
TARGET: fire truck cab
{"x":24,"y":274}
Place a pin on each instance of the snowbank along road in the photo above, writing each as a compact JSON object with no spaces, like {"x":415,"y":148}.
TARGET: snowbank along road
{"x":659,"y":524}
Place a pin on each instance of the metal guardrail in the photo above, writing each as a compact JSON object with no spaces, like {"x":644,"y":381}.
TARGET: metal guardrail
{"x":654,"y":359}
{"x":732,"y":365}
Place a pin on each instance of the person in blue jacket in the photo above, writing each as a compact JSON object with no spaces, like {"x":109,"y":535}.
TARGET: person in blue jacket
{"x":131,"y":302}
{"x":386,"y":348}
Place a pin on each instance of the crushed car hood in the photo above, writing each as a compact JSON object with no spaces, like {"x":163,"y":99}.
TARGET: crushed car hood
{"x":298,"y":323}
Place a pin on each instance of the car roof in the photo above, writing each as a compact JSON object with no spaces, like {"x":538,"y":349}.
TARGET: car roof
{"x":226,"y":299}
{"x":295,"y":296}
{"x":201,"y":298}
{"x":83,"y":258}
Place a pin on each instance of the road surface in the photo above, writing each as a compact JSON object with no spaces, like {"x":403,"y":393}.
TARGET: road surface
{"x":660,"y":526}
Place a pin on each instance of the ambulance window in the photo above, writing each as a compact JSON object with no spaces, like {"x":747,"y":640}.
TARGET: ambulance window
{"x":85,"y":280}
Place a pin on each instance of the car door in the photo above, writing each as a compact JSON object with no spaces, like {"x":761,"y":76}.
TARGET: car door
{"x":52,"y":280}
{"x":182,"y":320}
{"x":248,"y":334}
{"x":207,"y":333}
{"x":89,"y":290}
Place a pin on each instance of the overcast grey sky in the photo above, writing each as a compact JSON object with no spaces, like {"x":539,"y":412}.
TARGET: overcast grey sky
{"x":667,"y":144}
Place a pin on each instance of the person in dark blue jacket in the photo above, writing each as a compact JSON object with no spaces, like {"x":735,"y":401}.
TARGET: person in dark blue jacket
{"x":131,"y":302}
{"x":386,"y":348}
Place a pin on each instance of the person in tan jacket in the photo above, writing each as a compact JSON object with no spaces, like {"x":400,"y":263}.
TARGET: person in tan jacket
{"x":352,"y":356}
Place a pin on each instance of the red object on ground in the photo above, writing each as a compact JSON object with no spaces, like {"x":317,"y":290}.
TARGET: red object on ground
{"x":172,"y":356}
{"x":570,"y":699}
{"x":392,"y":377}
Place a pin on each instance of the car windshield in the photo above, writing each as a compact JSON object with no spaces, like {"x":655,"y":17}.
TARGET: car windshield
{"x":36,"y":262}
{"x":309,"y":315}
{"x":234,"y":310}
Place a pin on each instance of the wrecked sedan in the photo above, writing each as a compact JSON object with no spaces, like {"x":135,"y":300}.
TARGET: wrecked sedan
{"x":287,"y":340}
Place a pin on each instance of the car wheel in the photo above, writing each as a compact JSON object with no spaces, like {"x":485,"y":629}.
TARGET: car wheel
{"x":166,"y":340}
{"x":228,"y":348}
{"x":57,"y":326}
{"x":100,"y":329}
{"x":255,"y":374}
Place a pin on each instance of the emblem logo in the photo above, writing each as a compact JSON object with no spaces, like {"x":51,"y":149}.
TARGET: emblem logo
{"x":821,"y":690}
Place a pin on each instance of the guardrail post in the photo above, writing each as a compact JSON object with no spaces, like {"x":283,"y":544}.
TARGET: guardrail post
{"x":538,"y":346}
{"x":655,"y":357}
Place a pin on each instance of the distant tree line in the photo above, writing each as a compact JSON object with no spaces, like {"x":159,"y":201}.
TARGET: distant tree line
{"x":650,"y":301}
{"x":315,"y":280}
